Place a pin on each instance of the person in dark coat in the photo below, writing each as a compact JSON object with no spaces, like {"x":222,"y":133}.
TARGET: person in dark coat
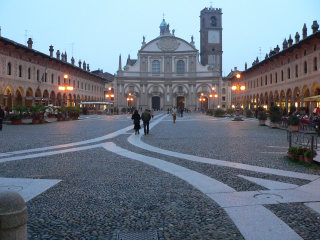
{"x":136,"y":121}
{"x":1,"y":117}
{"x":145,"y":117}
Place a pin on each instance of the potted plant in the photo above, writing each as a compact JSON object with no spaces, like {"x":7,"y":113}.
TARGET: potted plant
{"x":293,"y":153}
{"x":262,"y":116}
{"x":300,"y":153}
{"x":249,"y":113}
{"x":219,"y":112}
{"x":308,"y":155}
{"x":275,"y":116}
{"x":293,"y":122}
{"x":37,"y":113}
{"x":17,"y":115}
{"x":74,"y":112}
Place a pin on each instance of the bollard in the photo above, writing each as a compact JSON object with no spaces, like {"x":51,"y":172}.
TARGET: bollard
{"x":13,"y":216}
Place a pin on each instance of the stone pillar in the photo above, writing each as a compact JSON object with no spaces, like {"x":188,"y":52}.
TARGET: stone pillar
{"x":13,"y":216}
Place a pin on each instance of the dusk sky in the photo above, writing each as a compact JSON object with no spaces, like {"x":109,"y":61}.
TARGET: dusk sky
{"x":100,"y":30}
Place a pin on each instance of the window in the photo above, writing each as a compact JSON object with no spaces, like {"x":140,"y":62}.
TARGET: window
{"x":52,"y":78}
{"x":20,"y":71}
{"x":78,"y":84}
{"x":180,"y":66}
{"x":276,"y":77}
{"x":58,"y":80}
{"x":38,"y":75}
{"x":271,"y":78}
{"x":266,"y":80}
{"x":9,"y":69}
{"x":29,"y":73}
{"x":223,"y":91}
{"x":179,"y":89}
{"x":315,"y":64}
{"x":261,"y":82}
{"x":288,"y":72}
{"x":297,"y":71}
{"x":156,"y":66}
{"x":223,"y":98}
{"x":45,"y":77}
{"x":281,"y":75}
{"x":305,"y":67}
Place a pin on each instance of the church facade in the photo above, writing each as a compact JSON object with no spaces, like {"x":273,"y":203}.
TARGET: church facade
{"x":167,"y":72}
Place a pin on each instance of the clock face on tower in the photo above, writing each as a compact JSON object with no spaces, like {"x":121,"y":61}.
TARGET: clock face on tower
{"x":213,"y":36}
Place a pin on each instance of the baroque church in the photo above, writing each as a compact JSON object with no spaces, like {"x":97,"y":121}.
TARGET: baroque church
{"x":168,"y":73}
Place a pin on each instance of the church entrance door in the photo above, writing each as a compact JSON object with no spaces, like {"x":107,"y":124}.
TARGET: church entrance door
{"x":180,"y":102}
{"x":156,"y":102}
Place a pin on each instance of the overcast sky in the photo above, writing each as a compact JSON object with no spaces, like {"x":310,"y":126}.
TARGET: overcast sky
{"x":100,"y":30}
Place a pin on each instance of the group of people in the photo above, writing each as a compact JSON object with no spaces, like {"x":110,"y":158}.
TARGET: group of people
{"x":145,"y":117}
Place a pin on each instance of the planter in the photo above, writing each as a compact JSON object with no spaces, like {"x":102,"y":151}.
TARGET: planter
{"x":294,"y":128}
{"x":51,"y":116}
{"x":60,"y":119}
{"x":65,"y":119}
{"x":307,"y":159}
{"x":262,"y":122}
{"x":34,"y":121}
{"x":290,"y":155}
{"x":74,"y":118}
{"x":16,"y":122}
{"x":301,"y":158}
{"x":42,"y":120}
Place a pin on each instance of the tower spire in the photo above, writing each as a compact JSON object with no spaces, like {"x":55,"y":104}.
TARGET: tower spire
{"x":120,"y":65}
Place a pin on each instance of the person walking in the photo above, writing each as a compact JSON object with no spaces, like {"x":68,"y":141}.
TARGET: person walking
{"x":145,"y":117}
{"x":174,"y":114}
{"x":1,"y":117}
{"x":136,"y":121}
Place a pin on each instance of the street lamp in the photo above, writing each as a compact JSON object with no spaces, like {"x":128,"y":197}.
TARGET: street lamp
{"x":65,"y":87}
{"x":238,"y":86}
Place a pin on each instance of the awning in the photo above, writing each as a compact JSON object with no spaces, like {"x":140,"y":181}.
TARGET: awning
{"x":91,"y":103}
{"x":312,"y":99}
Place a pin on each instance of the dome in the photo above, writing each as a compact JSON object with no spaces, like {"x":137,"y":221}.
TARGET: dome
{"x":163,"y":23}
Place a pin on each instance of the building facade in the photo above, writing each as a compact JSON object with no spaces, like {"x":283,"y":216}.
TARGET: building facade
{"x":285,"y":77}
{"x":168,"y":73}
{"x":30,"y":77}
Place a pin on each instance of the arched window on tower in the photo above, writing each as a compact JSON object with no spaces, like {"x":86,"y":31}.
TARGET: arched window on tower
{"x":155,"y":66}
{"x":305,"y":67}
{"x":29,"y":73}
{"x":9,"y":68}
{"x":180,"y":66}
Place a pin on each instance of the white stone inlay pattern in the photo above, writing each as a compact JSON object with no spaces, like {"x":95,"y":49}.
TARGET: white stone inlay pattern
{"x":28,"y":188}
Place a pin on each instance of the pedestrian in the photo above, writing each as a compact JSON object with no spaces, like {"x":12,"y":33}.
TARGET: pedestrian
{"x":174,"y":114}
{"x":181,"y":112}
{"x":136,"y":121}
{"x":1,"y":117}
{"x":145,"y":117}
{"x":152,"y":113}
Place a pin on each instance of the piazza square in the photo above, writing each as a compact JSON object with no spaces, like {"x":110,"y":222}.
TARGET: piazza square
{"x":167,"y":143}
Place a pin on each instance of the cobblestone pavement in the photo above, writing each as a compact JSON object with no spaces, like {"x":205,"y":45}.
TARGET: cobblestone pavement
{"x":105,"y":191}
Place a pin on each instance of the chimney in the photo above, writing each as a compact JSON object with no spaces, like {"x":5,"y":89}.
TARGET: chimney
{"x":245,"y":66}
{"x":58,"y":54}
{"x":315,"y":27}
{"x":285,"y":44}
{"x":257,"y":60}
{"x":62,"y":57}
{"x":51,"y":50}
{"x":84,"y":66}
{"x":266,"y":56}
{"x":72,"y":61}
{"x":30,"y":42}
{"x":304,"y":32}
{"x":290,"y":41}
{"x":88,"y":68}
{"x":65,"y":56}
{"x":79,"y":63}
{"x":297,"y":37}
{"x":277,"y":49}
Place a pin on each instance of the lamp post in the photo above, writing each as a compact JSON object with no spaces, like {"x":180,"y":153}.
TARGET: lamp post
{"x":65,"y":87}
{"x":238,"y":86}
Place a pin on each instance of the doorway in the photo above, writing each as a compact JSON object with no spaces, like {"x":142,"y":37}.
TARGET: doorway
{"x":156,"y":102}
{"x":180,"y":102}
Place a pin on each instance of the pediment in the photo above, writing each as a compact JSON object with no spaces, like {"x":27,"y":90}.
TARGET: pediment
{"x":168,"y":44}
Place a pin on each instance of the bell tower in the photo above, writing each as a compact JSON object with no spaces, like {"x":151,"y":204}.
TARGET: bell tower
{"x":211,"y":38}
